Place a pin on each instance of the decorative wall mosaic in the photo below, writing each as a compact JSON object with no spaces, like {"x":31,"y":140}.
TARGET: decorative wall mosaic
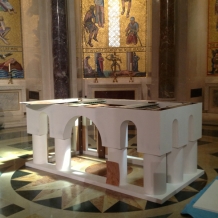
{"x":212,"y":68}
{"x":113,"y":38}
{"x":11,"y":49}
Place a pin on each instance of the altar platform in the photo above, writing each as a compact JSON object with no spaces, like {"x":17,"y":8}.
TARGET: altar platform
{"x":167,"y":135}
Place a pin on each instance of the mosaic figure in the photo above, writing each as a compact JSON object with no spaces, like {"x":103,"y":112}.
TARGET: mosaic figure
{"x":3,"y":30}
{"x":87,"y":67}
{"x":132,"y":32}
{"x":89,"y":25}
{"x":135,"y":62}
{"x":114,"y":58}
{"x":128,"y":8}
{"x":99,"y":11}
{"x":99,"y":64}
{"x":6,"y":6}
{"x":214,"y":61}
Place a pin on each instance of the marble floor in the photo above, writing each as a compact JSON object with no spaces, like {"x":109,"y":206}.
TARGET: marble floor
{"x":30,"y":193}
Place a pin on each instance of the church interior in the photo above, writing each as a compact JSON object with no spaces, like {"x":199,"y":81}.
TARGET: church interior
{"x":144,"y":50}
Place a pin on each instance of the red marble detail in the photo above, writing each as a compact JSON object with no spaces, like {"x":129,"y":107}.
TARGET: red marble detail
{"x":100,"y":169}
{"x":113,"y":173}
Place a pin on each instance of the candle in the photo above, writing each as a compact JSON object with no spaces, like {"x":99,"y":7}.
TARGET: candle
{"x":9,"y":68}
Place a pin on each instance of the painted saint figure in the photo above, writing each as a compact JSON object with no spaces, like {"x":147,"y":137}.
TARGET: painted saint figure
{"x":99,"y":64}
{"x":135,"y":63}
{"x":214,"y":61}
{"x":89,"y":25}
{"x":99,"y":11}
{"x":114,"y":58}
{"x":87,"y":67}
{"x":3,"y":30}
{"x":6,"y":6}
{"x":128,"y":9}
{"x":132,"y":32}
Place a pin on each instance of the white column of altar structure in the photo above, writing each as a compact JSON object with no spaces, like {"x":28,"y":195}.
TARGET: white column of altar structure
{"x":154,"y":174}
{"x":175,"y":165}
{"x":119,"y":156}
{"x":63,"y":154}
{"x":190,"y":157}
{"x":40,"y":149}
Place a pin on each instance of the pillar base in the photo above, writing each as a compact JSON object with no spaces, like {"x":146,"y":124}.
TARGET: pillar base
{"x":128,"y":189}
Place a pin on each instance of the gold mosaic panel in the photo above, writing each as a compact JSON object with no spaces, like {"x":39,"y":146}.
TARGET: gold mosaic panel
{"x":11,"y":39}
{"x":212,"y":61}
{"x":138,"y":11}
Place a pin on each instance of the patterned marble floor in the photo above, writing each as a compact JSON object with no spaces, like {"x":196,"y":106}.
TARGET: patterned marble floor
{"x":30,"y":193}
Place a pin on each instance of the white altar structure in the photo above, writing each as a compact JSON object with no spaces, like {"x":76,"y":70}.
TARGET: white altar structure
{"x":167,"y":135}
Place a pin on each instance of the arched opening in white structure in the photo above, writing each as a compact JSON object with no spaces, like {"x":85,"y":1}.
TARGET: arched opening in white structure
{"x":132,"y":141}
{"x":85,"y":137}
{"x":134,"y":158}
{"x":86,"y":141}
{"x":64,"y":144}
{"x":92,"y":135}
{"x":92,"y":139}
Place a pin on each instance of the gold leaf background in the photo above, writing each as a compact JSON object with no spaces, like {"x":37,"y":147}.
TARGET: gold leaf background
{"x":14,"y":36}
{"x":138,"y":10}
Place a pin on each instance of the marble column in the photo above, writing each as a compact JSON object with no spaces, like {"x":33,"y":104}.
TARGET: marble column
{"x":60,"y":49}
{"x":167,"y":50}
